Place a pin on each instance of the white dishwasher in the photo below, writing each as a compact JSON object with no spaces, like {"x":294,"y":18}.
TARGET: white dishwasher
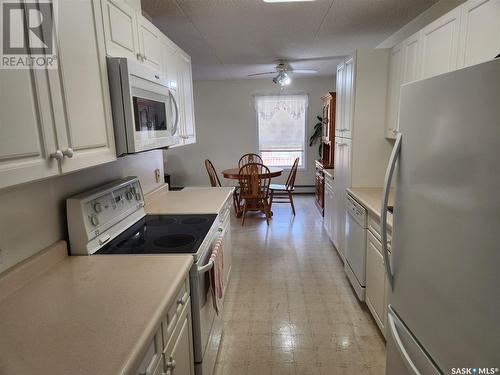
{"x":355,"y":245}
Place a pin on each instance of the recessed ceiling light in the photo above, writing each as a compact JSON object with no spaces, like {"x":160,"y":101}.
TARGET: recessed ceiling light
{"x":285,"y":1}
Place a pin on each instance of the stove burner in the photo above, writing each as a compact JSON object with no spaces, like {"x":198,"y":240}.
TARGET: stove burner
{"x":194,"y":220}
{"x":174,"y":240}
{"x":156,"y":221}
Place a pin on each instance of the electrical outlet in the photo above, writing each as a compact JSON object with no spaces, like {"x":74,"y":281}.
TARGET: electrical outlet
{"x":157,"y":176}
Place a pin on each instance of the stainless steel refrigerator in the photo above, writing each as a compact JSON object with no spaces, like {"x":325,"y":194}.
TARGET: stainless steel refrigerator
{"x":444,"y":314}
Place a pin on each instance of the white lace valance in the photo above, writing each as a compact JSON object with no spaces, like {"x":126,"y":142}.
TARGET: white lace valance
{"x":267,"y":106}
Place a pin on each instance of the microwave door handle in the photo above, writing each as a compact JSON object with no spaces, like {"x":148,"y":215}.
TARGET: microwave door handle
{"x":176,"y":122}
{"x":385,"y":199}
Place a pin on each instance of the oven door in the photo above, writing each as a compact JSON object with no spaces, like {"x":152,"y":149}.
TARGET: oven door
{"x":156,"y":116}
{"x":207,"y":325}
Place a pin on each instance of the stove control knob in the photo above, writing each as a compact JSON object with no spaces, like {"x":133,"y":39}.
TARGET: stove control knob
{"x":94,"y":220}
{"x":97,"y":207}
{"x":130,"y":195}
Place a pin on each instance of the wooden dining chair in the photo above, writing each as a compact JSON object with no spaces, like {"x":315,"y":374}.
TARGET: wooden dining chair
{"x":254,"y":182}
{"x":249,"y":158}
{"x":212,"y":174}
{"x":283,"y":193}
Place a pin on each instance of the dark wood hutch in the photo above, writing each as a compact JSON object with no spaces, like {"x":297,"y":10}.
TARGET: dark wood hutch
{"x":327,"y":153}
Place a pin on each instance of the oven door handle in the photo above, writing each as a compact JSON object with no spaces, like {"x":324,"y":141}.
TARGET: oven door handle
{"x":207,"y":267}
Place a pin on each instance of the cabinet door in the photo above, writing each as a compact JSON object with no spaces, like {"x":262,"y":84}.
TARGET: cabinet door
{"x":480,"y":31}
{"x":327,"y":220}
{"x":349,"y":82}
{"x":339,"y":113}
{"x":375,"y":280}
{"x":180,"y":346}
{"x":411,"y":59}
{"x":120,"y":26}
{"x":150,"y":43}
{"x":396,"y":62}
{"x":440,"y":44}
{"x":188,"y":131}
{"x":337,"y":210}
{"x":81,"y":95}
{"x":345,"y":182}
{"x":26,"y":132}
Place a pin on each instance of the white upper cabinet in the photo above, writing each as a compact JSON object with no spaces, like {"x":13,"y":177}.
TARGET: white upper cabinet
{"x":120,"y":27}
{"x":396,"y":67}
{"x":339,"y":112}
{"x":185,"y":94}
{"x":150,"y":43}
{"x":170,"y":62}
{"x":439,"y":41}
{"x":479,"y":32}
{"x":26,"y":133}
{"x":83,"y":117}
{"x":348,"y":97}
{"x":411,"y":60}
{"x":56,"y":121}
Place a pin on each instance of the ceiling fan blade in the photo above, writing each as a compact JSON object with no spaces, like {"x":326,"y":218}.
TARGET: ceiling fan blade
{"x":304,"y":71}
{"x":261,"y":74}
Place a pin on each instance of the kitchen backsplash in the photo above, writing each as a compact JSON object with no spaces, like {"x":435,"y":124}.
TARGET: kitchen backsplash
{"x":33,"y":216}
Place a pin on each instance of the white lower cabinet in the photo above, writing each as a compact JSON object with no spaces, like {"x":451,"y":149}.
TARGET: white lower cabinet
{"x":328,"y":206}
{"x":375,"y":280}
{"x":178,"y":355}
{"x":59,"y":120}
{"x":171,"y":350}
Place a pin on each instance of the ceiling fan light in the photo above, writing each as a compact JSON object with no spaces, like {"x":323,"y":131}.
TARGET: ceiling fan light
{"x":282,"y":79}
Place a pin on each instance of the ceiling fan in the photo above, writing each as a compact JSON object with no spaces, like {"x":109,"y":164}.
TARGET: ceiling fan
{"x":283,"y":71}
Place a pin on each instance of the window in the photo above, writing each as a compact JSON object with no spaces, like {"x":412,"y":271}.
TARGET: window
{"x":281,"y":121}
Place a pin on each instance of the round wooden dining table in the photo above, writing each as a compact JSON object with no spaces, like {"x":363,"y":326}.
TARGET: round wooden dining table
{"x":233,"y":173}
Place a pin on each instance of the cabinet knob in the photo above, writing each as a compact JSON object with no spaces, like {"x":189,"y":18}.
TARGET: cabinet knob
{"x":68,"y":152}
{"x":171,"y":363}
{"x":58,"y":155}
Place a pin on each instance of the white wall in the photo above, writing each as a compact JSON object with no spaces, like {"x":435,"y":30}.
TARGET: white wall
{"x":226,"y":127}
{"x":32,"y":216}
{"x":419,"y":22}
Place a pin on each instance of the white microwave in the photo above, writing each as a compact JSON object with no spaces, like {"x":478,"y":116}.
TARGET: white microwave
{"x":145,"y":112}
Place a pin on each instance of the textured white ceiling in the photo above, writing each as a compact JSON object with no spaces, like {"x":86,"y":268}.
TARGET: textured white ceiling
{"x":233,"y":38}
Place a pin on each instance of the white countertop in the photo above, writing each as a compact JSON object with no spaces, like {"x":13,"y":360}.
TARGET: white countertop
{"x":195,"y":200}
{"x":84,"y":315}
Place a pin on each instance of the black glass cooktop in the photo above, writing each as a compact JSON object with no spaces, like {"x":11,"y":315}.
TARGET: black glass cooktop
{"x":162,"y":234}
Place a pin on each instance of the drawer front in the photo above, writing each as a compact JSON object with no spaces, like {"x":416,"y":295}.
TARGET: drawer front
{"x":374,"y":228}
{"x":175,"y":310}
{"x":152,"y":357}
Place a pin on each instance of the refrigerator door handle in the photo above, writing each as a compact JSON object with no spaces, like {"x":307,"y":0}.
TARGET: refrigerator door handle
{"x":399,"y":345}
{"x":385,"y":200}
